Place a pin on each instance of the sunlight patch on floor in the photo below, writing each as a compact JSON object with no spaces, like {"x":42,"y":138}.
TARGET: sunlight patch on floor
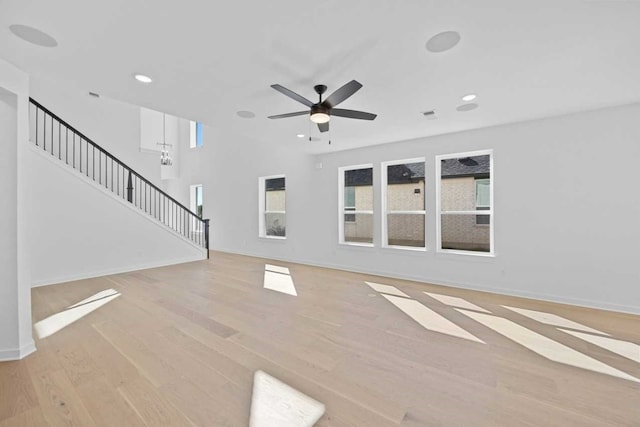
{"x":58,"y":321}
{"x":553,"y":320}
{"x":276,"y":269}
{"x":456,"y":302}
{"x":387,"y":289}
{"x":276,"y":404}
{"x":429,"y":319}
{"x":99,"y":295}
{"x":545,"y":347}
{"x":623,"y":348}
{"x":279,"y":279}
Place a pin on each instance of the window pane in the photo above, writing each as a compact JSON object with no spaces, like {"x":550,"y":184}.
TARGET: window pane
{"x":362,"y":182}
{"x":405,"y":187}
{"x":199,"y":200}
{"x":275,"y":200}
{"x":275,"y":194}
{"x":360,"y":229}
{"x":407,"y":196}
{"x":458,"y":183}
{"x":462,"y":232}
{"x":275,"y":224}
{"x":198,"y":134}
{"x":483,"y":193}
{"x":405,"y":230}
{"x":350,"y":197}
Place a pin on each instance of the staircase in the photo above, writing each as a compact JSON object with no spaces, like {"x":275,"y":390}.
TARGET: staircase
{"x":62,"y":141}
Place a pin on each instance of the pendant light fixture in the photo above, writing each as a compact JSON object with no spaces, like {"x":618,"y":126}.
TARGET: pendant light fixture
{"x":165,"y":158}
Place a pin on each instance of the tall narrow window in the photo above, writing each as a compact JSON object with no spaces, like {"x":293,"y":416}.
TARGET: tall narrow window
{"x":356,"y":205}
{"x":196,"y":206}
{"x":465,"y":189}
{"x":197,"y":199}
{"x":403,"y":222}
{"x":195,"y":134}
{"x":272,"y":203}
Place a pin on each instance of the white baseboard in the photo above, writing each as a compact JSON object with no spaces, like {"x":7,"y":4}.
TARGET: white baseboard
{"x":468,"y":286}
{"x":116,"y":270}
{"x":17,"y":353}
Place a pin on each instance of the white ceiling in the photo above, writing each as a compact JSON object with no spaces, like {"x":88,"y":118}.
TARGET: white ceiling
{"x":209,"y":59}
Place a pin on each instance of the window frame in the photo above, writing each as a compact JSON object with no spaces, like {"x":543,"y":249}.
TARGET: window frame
{"x":262,"y":207}
{"x":193,"y":134}
{"x":384,"y":205}
{"x":193,"y":205}
{"x":342,"y":210}
{"x":490,"y":211}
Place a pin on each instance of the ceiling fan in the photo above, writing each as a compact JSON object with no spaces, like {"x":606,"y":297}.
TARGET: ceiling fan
{"x":321,"y":112}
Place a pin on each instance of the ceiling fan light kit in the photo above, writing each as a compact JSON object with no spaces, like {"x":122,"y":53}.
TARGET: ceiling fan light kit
{"x":321,"y":112}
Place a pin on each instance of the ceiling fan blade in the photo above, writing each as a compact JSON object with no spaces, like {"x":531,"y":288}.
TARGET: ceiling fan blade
{"x":291,"y":94}
{"x":353,"y":114}
{"x":342,"y":93}
{"x":324,"y":127}
{"x":282,"y":116}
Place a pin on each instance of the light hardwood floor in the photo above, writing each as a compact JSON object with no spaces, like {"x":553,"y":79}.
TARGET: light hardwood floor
{"x":180,"y":346}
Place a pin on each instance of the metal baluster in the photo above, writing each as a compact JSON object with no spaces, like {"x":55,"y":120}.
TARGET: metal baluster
{"x":37,"y":109}
{"x":130,"y":189}
{"x":59,"y":139}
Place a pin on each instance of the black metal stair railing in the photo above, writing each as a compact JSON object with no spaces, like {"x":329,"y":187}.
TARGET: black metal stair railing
{"x":61,"y":140}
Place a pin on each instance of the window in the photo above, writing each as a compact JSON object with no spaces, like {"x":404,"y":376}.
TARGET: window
{"x":196,"y":199}
{"x":465,"y":187}
{"x":272,"y":203}
{"x":195,"y":134}
{"x":356,"y":205}
{"x":403,"y":204}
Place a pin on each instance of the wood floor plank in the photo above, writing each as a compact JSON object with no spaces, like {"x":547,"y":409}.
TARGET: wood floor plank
{"x":17,"y":393}
{"x":59,"y":401}
{"x":106,"y":405}
{"x":30,"y":418}
{"x":150,"y":405}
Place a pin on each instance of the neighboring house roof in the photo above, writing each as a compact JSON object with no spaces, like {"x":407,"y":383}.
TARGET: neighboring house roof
{"x":477,"y":166}
{"x":274,"y":184}
{"x":410,"y":172}
{"x":357,"y":177}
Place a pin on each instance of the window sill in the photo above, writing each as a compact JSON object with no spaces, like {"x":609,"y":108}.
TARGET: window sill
{"x":470,"y":253}
{"x":273,"y":237}
{"x":357,"y":245}
{"x":405,"y":248}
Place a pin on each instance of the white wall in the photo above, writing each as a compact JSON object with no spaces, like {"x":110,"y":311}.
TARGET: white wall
{"x":113,"y":125}
{"x":567,"y":208}
{"x":79,"y":230}
{"x":156,"y":128}
{"x":15,"y":297}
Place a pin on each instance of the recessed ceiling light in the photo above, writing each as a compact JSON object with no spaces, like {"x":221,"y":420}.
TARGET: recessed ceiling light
{"x":469,"y":97}
{"x":33,"y":35}
{"x":467,"y":107}
{"x":300,"y":135}
{"x":444,"y":41}
{"x":142,"y":78}
{"x":246,"y":114}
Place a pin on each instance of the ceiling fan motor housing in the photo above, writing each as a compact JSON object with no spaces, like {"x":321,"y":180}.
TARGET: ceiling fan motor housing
{"x":319,"y":108}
